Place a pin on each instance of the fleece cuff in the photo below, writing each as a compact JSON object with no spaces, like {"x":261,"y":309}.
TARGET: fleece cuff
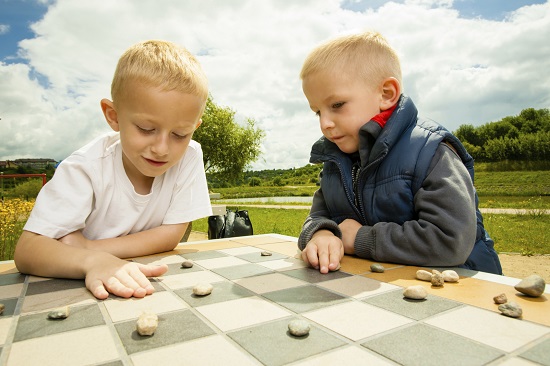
{"x":365,"y":243}
{"x":313,"y":227}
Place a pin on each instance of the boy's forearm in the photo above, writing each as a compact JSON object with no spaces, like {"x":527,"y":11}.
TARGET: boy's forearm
{"x":160,"y":239}
{"x":43,"y":256}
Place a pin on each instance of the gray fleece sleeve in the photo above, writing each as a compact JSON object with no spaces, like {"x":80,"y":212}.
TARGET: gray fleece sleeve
{"x":443,"y":233}
{"x":318,"y":219}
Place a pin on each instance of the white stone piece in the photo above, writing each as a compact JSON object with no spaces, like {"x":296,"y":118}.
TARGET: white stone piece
{"x":450,"y":276}
{"x":147,"y":324}
{"x":203,"y":289}
{"x":424,"y":275}
{"x":416,"y":292}
{"x":511,"y":309}
{"x":298,"y":327}
{"x":437,"y":279}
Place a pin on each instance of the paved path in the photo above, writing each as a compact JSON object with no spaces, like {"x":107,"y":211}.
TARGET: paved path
{"x":514,"y":211}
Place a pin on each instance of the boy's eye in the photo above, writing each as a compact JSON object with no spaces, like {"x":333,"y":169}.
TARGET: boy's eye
{"x":337,"y":105}
{"x":179,"y":137}
{"x":145,"y":130}
{"x":318,"y":113}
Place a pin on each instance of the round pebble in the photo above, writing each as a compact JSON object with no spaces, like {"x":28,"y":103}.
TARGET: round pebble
{"x":500,"y":299}
{"x":437,"y":279}
{"x":511,"y":309}
{"x":2,"y":307}
{"x":147,"y":324}
{"x":378,"y":268}
{"x":203,"y":289}
{"x":531,"y":286}
{"x":187,"y":264}
{"x":424,"y":275}
{"x":298,"y":328}
{"x":265,"y":254}
{"x":416,"y":292}
{"x":59,"y":313}
{"x":450,"y":276}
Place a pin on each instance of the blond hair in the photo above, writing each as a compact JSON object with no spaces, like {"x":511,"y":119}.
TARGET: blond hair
{"x":368,"y":55}
{"x":159,"y":64}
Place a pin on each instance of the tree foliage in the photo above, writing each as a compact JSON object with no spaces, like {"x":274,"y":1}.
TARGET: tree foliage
{"x":228,"y":147}
{"x":522,"y":137}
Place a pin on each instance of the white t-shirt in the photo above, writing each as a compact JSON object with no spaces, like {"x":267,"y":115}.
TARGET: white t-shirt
{"x":90,"y":191}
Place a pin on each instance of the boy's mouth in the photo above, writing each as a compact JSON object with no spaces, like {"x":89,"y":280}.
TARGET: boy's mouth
{"x":155,"y":162}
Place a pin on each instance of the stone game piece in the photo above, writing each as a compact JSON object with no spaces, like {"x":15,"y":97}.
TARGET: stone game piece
{"x":147,"y":324}
{"x":298,"y":328}
{"x":203,"y":289}
{"x":511,"y":309}
{"x":531,"y":286}
{"x":500,"y":299}
{"x":378,"y":268}
{"x":416,"y":292}
{"x":437,"y":279}
{"x":187,"y":264}
{"x":59,"y":313}
{"x":450,"y":276}
{"x":423,"y":275}
{"x":265,"y":253}
{"x":2,"y":307}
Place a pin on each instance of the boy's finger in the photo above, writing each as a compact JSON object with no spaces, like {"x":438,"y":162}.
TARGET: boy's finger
{"x":122,"y":289}
{"x":335,"y":256}
{"x":97,"y":289}
{"x":324,"y":257}
{"x":312,"y":257}
{"x":152,"y":270}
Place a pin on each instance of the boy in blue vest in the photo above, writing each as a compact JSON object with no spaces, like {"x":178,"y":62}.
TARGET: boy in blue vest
{"x":394,"y":187}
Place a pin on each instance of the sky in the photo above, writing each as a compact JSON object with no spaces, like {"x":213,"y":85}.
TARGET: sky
{"x":463,"y":62}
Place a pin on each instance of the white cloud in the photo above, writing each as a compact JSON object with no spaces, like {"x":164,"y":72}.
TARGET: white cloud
{"x":456,"y":70}
{"x":4,"y":28}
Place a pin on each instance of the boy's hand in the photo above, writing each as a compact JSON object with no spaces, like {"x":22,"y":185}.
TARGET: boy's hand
{"x":75,"y":239}
{"x":349,"y":229}
{"x":121,"y":278}
{"x":324,"y":251}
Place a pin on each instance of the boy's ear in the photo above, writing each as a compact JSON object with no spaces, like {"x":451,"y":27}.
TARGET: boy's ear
{"x":391,"y":91}
{"x":198,"y":123}
{"x":110,"y":114}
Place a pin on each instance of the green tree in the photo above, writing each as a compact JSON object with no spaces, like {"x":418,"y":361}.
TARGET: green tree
{"x":228,"y":147}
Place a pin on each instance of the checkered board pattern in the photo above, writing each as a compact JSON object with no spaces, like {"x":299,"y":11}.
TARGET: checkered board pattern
{"x":355,"y":319}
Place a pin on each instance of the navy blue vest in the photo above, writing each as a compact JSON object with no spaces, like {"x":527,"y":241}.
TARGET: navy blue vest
{"x":392,"y":174}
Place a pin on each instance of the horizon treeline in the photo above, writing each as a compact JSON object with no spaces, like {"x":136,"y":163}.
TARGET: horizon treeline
{"x":514,"y":138}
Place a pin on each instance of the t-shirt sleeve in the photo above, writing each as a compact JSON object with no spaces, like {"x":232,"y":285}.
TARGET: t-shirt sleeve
{"x":190,"y":200}
{"x":65,"y":202}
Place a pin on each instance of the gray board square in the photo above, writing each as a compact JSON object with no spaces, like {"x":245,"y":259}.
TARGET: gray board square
{"x":304,"y":298}
{"x":273,"y":345}
{"x":314,"y":276}
{"x":11,"y":279}
{"x":539,"y":353}
{"x":176,"y":327}
{"x":9,"y":307}
{"x":414,"y":309}
{"x":47,"y":286}
{"x":222,"y":291}
{"x":39,"y":325}
{"x":241,"y":271}
{"x":414,"y":345}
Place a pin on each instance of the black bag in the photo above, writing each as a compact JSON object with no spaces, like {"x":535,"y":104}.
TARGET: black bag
{"x":233,"y":223}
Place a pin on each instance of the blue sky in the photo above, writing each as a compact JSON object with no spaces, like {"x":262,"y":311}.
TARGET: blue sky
{"x":464,"y":61}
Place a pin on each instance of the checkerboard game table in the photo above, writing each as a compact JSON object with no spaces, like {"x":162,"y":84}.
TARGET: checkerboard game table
{"x":356,"y":317}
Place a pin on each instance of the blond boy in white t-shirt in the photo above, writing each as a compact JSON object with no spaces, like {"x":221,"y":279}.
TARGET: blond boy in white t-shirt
{"x":131,"y":192}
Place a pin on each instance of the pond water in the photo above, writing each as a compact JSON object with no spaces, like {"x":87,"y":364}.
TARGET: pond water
{"x":297,"y":199}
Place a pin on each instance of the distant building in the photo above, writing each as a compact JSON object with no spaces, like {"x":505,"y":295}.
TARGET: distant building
{"x":4,"y":164}
{"x":35,"y":163}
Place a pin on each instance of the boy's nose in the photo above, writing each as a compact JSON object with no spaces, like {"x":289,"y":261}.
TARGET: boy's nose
{"x":326,"y":123}
{"x":160,"y":147}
